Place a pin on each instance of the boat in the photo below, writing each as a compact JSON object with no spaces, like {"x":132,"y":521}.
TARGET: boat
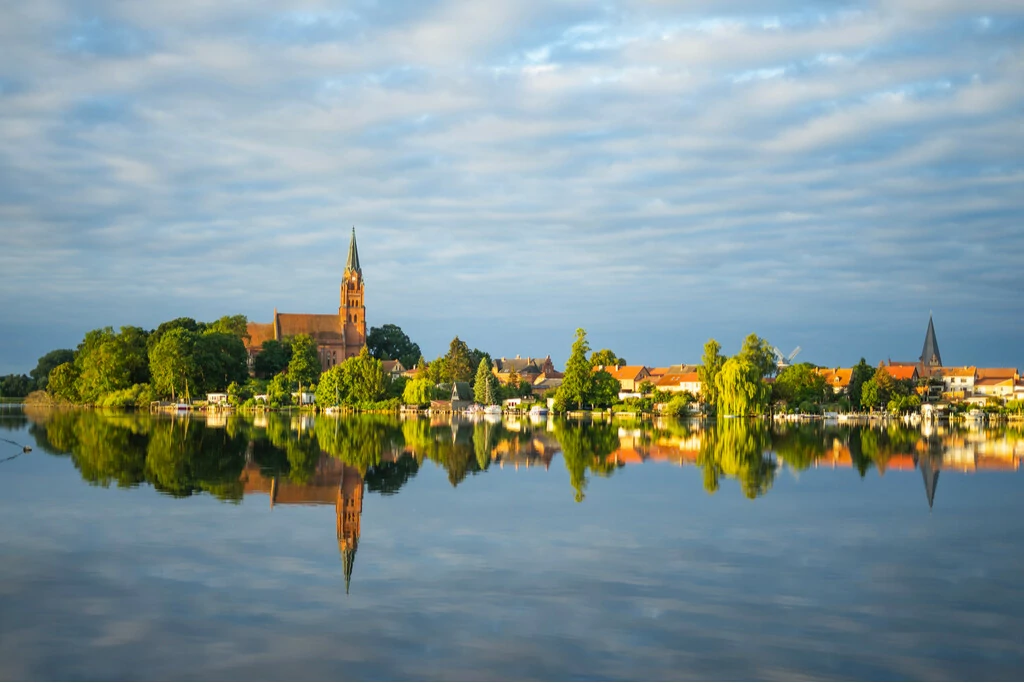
{"x":538,"y":410}
{"x":492,"y":410}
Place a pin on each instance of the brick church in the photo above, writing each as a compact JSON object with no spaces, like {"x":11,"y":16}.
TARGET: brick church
{"x":337,"y":336}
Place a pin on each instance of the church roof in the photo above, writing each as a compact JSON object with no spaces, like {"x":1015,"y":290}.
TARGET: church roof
{"x":323,"y":328}
{"x":930,"y":354}
{"x":259,"y":333}
{"x":352,"y":264}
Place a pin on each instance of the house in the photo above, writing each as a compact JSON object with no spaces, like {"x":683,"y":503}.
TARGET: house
{"x":527,"y":368}
{"x":902,"y":372}
{"x":462,"y":395}
{"x":217,"y":399}
{"x":394,"y":368}
{"x":999,"y":382}
{"x":629,"y":376}
{"x":678,"y":382}
{"x":956,"y":381}
{"x":838,"y":378}
{"x":543,"y":383}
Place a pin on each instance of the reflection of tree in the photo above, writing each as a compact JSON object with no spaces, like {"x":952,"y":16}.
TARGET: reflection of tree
{"x":878,"y":446}
{"x":388,"y":477}
{"x":185,"y":457}
{"x":586,"y":446}
{"x":359,"y":441}
{"x":485,"y":438}
{"x":449,"y":445}
{"x":800,"y":445}
{"x":737,"y":449}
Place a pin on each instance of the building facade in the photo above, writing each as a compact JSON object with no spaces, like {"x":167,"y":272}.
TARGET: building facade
{"x":338,"y":337}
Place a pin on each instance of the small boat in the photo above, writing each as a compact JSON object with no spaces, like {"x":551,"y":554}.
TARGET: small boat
{"x":492,"y":410}
{"x":538,"y":410}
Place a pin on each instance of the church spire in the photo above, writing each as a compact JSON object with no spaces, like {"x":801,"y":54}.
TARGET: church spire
{"x":352,"y":264}
{"x":930,"y":353}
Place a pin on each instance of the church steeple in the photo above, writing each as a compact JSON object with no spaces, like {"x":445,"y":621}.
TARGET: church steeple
{"x":352,"y":264}
{"x":930,"y":353}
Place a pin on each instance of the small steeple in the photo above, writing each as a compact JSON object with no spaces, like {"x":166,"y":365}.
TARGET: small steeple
{"x":352,"y":264}
{"x":930,"y":353}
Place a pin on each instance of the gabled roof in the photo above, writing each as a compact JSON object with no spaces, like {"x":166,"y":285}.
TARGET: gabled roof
{"x":966,"y":371}
{"x":836,"y":377}
{"x":519,"y":364}
{"x":682,"y":368}
{"x":323,"y":328}
{"x":259,"y":333}
{"x":902,"y":371}
{"x":393,"y":366}
{"x":994,"y":382}
{"x":461,"y":391}
{"x":677,"y":378}
{"x":997,"y":373}
{"x":658,"y":372}
{"x":621,"y":372}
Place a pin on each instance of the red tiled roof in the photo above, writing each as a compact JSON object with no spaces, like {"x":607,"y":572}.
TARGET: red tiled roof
{"x":902,"y":371}
{"x":993,"y":373}
{"x":622,"y":372}
{"x":259,"y":333}
{"x":678,"y":378}
{"x":966,"y":371}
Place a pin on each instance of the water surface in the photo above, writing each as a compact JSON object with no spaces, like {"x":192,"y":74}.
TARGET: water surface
{"x":288,"y":547}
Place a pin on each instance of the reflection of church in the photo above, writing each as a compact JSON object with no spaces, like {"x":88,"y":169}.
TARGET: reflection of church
{"x":332,"y":483}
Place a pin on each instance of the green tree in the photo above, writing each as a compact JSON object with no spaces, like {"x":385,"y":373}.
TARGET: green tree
{"x":457,"y":366}
{"x":710,"y":365}
{"x":741,"y":389}
{"x":485,"y":388}
{"x":585,"y":446}
{"x":862,"y":372}
{"x":235,"y":325}
{"x":279,"y":390}
{"x":273,"y":357}
{"x":605,"y":357}
{"x":759,"y":352}
{"x":437,"y":371}
{"x":418,"y":392}
{"x":220,"y":359}
{"x":304,"y":367}
{"x":172,"y":362}
{"x":15,"y":385}
{"x":334,"y":387}
{"x":578,"y":381}
{"x":604,"y":391}
{"x":798,"y":384}
{"x":188,"y":324}
{"x":62,"y":383}
{"x":369,"y":383}
{"x":389,"y":342}
{"x":41,"y":374}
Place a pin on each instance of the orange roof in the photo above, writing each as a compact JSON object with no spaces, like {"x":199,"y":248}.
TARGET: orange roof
{"x":994,"y":382}
{"x":902,"y":371}
{"x":259,"y":333}
{"x":1001,"y":373}
{"x":658,"y":372}
{"x":678,"y":378}
{"x":966,"y":371}
{"x":840,"y":377}
{"x":621,"y":372}
{"x":322,"y":328}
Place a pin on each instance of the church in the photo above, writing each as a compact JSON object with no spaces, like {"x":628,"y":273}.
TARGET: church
{"x":337,"y":336}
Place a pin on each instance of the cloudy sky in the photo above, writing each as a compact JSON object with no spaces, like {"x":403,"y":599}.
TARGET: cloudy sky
{"x":825,"y":174}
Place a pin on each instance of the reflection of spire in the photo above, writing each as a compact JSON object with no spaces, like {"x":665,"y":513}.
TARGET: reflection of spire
{"x":930,"y":473}
{"x":349,"y":508}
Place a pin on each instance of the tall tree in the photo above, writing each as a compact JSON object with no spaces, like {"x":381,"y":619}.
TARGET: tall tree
{"x":304,"y":367}
{"x":578,"y":381}
{"x":862,"y":372}
{"x":389,"y":342}
{"x":41,"y":374}
{"x":273,"y":357}
{"x":759,"y":352}
{"x":741,"y":388}
{"x":220,"y":359}
{"x":236,"y":325}
{"x":605,"y":389}
{"x":485,"y":389}
{"x":63,"y":382}
{"x":369,"y":383}
{"x":457,"y":366}
{"x":605,"y":357}
{"x":172,"y":362}
{"x":710,"y":365}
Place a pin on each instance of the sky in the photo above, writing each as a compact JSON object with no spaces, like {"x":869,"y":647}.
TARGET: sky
{"x":823,"y":174}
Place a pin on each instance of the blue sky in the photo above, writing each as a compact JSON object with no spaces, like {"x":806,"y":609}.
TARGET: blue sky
{"x":824,"y":174}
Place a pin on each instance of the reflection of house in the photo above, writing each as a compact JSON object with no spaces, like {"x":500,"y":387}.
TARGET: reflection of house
{"x":337,"y":335}
{"x":629,"y":376}
{"x":333,"y":482}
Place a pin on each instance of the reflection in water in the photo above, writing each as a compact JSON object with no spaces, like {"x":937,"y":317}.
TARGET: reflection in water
{"x":324,"y":460}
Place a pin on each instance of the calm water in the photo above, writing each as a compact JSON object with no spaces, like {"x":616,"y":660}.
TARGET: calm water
{"x":372,"y":548}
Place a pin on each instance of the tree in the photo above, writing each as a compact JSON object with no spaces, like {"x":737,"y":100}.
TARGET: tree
{"x":109,"y":362}
{"x":220,"y":359}
{"x":485,"y":388}
{"x":15,"y":385}
{"x":457,"y":366}
{"x":235,"y":325}
{"x":273,"y":357}
{"x":578,"y":381}
{"x":798,"y":384}
{"x":741,"y":389}
{"x":279,"y":390}
{"x":418,"y":392}
{"x":710,"y":365}
{"x":334,"y":386}
{"x":605,"y":390}
{"x":605,"y":357}
{"x":304,"y":367}
{"x":862,"y":372}
{"x":41,"y":374}
{"x":369,"y":383}
{"x":178,"y":323}
{"x":62,"y":383}
{"x":172,"y":362}
{"x":389,"y":342}
{"x":759,"y":352}
{"x":437,"y":371}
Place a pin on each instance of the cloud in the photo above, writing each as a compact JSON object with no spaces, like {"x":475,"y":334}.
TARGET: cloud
{"x":607,"y":166}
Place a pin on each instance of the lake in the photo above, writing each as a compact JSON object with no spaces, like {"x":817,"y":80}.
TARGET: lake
{"x":292,"y":547}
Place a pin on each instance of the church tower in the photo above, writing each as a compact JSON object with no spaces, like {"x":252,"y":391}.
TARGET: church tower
{"x":930,"y":353}
{"x":352,"y":309}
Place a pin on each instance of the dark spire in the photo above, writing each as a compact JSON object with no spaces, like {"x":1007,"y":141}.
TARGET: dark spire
{"x":930,"y":353}
{"x":352,"y":264}
{"x":931,"y":478}
{"x":348,"y":559}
